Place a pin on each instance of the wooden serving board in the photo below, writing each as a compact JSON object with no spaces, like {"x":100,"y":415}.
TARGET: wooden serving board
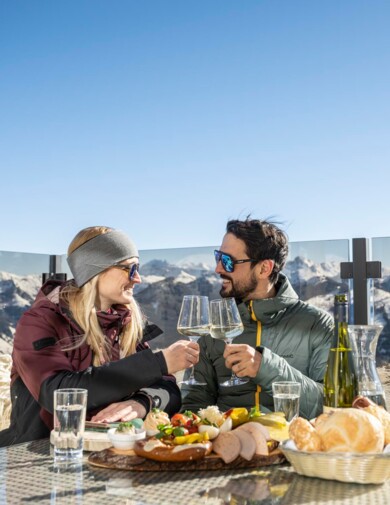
{"x":93,"y":440}
{"x":127,"y":460}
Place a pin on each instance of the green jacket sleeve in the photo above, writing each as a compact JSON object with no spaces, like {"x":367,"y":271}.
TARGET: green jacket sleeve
{"x":275,"y":368}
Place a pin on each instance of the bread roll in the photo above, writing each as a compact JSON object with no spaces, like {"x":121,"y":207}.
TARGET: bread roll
{"x":380,"y":413}
{"x":351,"y":430}
{"x":320,"y":419}
{"x":304,"y":435}
{"x":361,"y":402}
{"x":384,"y":418}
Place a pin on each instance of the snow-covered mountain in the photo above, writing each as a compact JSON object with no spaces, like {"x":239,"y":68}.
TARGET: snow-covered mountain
{"x":312,"y":280}
{"x":184,"y":272}
{"x":164,"y":285}
{"x":16,"y":295}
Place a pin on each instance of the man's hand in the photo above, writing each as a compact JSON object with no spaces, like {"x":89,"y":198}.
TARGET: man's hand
{"x":180,"y":355}
{"x":243,"y":359}
{"x":121,"y":411}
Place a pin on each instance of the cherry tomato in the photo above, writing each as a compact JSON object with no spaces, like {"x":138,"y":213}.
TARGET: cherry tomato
{"x":179,"y":420}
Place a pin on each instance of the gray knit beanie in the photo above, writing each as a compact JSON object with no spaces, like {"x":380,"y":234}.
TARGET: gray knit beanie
{"x":99,"y":253}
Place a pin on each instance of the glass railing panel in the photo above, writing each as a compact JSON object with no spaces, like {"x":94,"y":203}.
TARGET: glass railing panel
{"x":21,"y":263}
{"x":313,"y":268}
{"x":20,"y":280}
{"x":380,"y":251}
{"x":64,"y":268}
{"x":169,"y":274}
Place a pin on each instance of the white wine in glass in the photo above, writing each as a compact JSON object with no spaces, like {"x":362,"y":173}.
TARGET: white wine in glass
{"x":194,"y":322}
{"x":226,"y":324}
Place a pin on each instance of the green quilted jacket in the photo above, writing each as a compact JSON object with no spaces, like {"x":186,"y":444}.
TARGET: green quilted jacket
{"x":294,"y":338}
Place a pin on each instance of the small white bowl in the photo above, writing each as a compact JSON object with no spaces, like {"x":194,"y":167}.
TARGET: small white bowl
{"x":151,"y":433}
{"x":124,"y":440}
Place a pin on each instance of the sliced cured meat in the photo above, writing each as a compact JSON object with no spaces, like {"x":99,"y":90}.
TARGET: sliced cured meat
{"x":227,"y":446}
{"x":248,"y":443}
{"x":263,"y":429}
{"x":256,"y":431}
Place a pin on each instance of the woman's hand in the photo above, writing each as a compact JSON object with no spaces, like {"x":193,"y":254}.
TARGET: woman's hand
{"x":243,"y":359}
{"x":121,"y":411}
{"x":180,"y":355}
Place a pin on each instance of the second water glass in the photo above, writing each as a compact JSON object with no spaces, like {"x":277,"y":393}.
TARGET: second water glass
{"x":70,"y":407}
{"x":286,"y":398}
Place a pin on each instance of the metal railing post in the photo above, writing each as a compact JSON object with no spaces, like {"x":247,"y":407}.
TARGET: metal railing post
{"x":54,"y":266}
{"x":360,"y":271}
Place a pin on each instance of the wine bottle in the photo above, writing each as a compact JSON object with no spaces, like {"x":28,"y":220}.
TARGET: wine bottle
{"x":340,"y":382}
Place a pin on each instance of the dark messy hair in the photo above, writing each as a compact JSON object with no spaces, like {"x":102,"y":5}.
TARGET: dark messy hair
{"x":263,"y":241}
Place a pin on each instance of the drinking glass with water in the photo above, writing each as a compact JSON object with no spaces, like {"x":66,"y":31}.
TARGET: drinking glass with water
{"x":286,"y":398}
{"x":70,"y":407}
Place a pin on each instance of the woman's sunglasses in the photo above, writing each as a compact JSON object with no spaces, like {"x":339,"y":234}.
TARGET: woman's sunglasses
{"x":227,"y":261}
{"x":131,"y":269}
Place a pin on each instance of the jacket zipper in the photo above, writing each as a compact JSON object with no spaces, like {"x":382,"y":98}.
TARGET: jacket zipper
{"x":258,"y":343}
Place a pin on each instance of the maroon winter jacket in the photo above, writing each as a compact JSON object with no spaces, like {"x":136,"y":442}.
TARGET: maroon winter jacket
{"x":41,"y":365}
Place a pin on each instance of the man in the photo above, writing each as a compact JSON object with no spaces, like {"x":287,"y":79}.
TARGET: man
{"x":284,"y":338}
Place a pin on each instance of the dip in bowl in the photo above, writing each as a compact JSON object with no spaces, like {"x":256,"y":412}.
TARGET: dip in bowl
{"x":125,"y":435}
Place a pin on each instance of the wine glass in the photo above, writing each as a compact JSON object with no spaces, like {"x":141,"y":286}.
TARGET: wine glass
{"x":194,"y":321}
{"x":226,"y":324}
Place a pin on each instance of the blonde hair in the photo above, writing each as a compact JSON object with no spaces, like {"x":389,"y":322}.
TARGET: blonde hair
{"x":81,"y":302}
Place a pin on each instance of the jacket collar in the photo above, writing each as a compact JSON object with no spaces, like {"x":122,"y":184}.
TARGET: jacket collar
{"x":270,"y":310}
{"x":119,"y":315}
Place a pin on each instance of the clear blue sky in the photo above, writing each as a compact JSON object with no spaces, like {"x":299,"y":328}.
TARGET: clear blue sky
{"x":166,"y":118}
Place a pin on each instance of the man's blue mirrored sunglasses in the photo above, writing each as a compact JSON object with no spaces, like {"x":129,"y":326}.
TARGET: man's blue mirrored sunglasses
{"x":227,"y":261}
{"x":131,"y":269}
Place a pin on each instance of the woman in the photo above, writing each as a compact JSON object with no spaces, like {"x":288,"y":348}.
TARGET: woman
{"x":90,"y":333}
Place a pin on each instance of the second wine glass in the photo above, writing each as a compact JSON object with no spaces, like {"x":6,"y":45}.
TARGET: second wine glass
{"x":194,"y":322}
{"x":226,"y":324}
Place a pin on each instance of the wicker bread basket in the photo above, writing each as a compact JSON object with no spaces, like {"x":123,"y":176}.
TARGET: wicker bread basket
{"x":344,"y":467}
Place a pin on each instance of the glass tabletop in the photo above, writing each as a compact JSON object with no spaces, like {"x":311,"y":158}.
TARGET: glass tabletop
{"x":28,"y":475}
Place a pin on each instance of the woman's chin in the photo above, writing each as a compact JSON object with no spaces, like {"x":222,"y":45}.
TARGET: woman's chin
{"x":127,"y":295}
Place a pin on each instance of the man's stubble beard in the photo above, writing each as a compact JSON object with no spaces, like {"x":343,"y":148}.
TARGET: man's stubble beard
{"x":239,"y":290}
